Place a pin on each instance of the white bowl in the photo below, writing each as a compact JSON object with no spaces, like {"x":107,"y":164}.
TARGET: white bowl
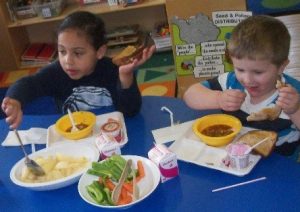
{"x":75,"y":150}
{"x":146,"y":185}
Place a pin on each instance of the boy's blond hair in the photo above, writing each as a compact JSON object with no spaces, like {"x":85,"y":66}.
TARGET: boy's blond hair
{"x":260,"y":37}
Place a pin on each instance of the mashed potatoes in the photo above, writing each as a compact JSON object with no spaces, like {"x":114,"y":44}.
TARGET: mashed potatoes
{"x":56,"y":167}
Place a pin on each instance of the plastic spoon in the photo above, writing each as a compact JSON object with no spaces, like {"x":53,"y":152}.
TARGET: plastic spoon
{"x":31,"y":164}
{"x":255,"y":145}
{"x":135,"y":191}
{"x":117,"y":190}
{"x":74,"y":128}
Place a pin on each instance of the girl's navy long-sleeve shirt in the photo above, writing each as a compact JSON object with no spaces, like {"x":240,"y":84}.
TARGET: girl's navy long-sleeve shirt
{"x":101,"y":88}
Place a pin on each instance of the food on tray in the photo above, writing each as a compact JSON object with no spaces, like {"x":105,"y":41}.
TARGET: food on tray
{"x":128,"y":55}
{"x":237,"y":155}
{"x":217,"y":130}
{"x":56,"y":167}
{"x":268,"y":113}
{"x":113,"y":128}
{"x":217,"y":119}
{"x":109,"y":172}
{"x":252,"y":137}
{"x":85,"y":120}
{"x":237,"y":149}
{"x":80,"y":126}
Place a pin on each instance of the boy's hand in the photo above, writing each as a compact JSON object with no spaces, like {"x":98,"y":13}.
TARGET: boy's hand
{"x":12,"y":109}
{"x":231,"y":100}
{"x":288,"y":100}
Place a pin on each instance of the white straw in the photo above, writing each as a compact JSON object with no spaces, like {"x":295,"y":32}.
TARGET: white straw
{"x":239,"y":184}
{"x":170,"y":112}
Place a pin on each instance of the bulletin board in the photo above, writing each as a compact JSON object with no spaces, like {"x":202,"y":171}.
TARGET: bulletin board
{"x":200,"y":30}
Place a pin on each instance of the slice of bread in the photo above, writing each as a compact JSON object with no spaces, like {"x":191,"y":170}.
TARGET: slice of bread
{"x":254,"y":136}
{"x":265,"y":114}
{"x":128,"y":55}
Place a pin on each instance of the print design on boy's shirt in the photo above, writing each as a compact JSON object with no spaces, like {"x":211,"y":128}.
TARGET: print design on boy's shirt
{"x":87,"y":97}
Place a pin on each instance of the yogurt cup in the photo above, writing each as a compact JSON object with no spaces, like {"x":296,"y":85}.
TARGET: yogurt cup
{"x":113,"y":128}
{"x":238,"y":156}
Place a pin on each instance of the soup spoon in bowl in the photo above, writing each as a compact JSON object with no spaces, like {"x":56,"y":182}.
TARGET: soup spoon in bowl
{"x":74,"y":127}
{"x":35,"y":168}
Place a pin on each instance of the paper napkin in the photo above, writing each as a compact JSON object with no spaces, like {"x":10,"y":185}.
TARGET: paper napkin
{"x":33,"y":135}
{"x":172,"y":133}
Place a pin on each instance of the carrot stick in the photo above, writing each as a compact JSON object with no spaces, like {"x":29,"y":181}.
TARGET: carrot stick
{"x":128,"y":186}
{"x":109,"y":184}
{"x":124,"y":193}
{"x":141,"y":170}
{"x":125,"y":201}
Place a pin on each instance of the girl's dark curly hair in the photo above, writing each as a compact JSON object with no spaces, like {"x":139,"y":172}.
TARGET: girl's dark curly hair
{"x":90,"y":24}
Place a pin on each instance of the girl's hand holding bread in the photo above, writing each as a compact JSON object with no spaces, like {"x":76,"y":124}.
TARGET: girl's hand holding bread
{"x":129,"y":59}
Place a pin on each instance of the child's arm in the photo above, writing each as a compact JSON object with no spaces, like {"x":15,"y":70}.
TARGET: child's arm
{"x":126,"y":71}
{"x":289,"y":101}
{"x":200,"y":97}
{"x":13,"y":111}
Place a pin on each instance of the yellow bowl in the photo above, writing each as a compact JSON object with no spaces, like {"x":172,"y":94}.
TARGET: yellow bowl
{"x":217,"y":119}
{"x":80,"y":117}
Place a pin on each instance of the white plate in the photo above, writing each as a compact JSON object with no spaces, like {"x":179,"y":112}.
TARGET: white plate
{"x":54,"y":138}
{"x":191,"y":149}
{"x":77,"y":150}
{"x":146,"y":185}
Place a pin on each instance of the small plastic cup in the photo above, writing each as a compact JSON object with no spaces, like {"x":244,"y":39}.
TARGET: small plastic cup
{"x":237,"y":157}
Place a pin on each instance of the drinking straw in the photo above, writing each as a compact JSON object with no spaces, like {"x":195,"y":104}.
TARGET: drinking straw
{"x":170,"y":112}
{"x":239,"y":184}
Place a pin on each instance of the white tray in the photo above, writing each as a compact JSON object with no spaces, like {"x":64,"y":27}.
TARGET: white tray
{"x":54,"y":138}
{"x":191,"y":149}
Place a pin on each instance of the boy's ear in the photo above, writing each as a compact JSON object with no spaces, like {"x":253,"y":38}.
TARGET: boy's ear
{"x":101,"y":51}
{"x":283,"y":66}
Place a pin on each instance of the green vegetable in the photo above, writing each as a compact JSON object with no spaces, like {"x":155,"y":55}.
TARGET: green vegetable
{"x":112,"y":168}
{"x":99,"y":193}
{"x":95,"y":192}
{"x":108,"y":196}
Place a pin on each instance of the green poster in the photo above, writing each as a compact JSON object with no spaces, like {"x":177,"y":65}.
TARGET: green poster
{"x":200,"y":42}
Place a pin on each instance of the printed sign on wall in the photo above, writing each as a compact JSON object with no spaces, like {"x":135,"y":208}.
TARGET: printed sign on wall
{"x":200,"y":42}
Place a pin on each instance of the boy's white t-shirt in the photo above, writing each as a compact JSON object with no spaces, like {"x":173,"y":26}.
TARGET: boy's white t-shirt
{"x":229,"y":81}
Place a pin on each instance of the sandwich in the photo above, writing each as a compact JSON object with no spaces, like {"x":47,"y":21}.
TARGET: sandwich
{"x":252,"y":137}
{"x":268,"y":113}
{"x":128,"y":55}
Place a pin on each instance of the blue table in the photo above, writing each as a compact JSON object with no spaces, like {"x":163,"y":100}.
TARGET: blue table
{"x":191,"y":191}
